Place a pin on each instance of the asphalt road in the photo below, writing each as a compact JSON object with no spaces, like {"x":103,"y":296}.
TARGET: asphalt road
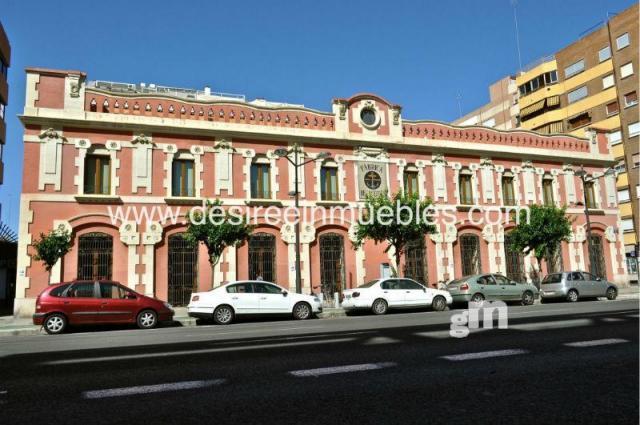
{"x":556,"y":363}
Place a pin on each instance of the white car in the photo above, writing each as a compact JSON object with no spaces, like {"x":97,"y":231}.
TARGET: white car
{"x":250,"y":297}
{"x":382,"y":294}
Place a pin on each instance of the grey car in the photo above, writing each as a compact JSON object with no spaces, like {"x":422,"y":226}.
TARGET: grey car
{"x":574,"y":285}
{"x":491,"y":286}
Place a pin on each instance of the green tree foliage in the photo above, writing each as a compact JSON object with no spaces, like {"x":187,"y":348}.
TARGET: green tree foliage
{"x":396,"y":220}
{"x":51,"y":247}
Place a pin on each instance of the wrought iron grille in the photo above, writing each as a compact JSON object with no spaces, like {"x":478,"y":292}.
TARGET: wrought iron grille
{"x":470,"y":250}
{"x":262,"y":257}
{"x":183,"y":270}
{"x":515,"y":262}
{"x":331,"y":264}
{"x":597,"y":256}
{"x":95,"y":253}
{"x":415,"y":264}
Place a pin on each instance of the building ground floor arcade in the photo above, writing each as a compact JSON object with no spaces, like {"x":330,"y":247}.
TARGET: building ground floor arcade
{"x":154,"y":259}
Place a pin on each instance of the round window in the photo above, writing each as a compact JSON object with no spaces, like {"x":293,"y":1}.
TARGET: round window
{"x":368,"y":116}
{"x":372,"y":180}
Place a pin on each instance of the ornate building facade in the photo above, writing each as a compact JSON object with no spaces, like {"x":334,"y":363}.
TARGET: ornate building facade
{"x":95,"y":151}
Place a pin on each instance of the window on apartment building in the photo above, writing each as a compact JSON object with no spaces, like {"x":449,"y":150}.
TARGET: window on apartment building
{"x":97,"y":175}
{"x":542,"y":80}
{"x":329,"y":183}
{"x":620,"y":167}
{"x":574,"y":68}
{"x":508,"y":191}
{"x":579,"y":120}
{"x":630,"y":99}
{"x":615,"y":137}
{"x":607,"y":81}
{"x":550,"y":77}
{"x":464,"y":187}
{"x":626,"y":224}
{"x":411,"y":181}
{"x":182,"y":178}
{"x":604,"y":53}
{"x":626,"y":70}
{"x":261,"y":179}
{"x":635,"y":159}
{"x":470,"y":254}
{"x":623,"y":195}
{"x":491,"y":122}
{"x":3,"y":68}
{"x":2,"y":111}
{"x":612,"y":108}
{"x":577,"y":94}
{"x":547,"y":189}
{"x":622,"y":41}
{"x":634,"y":129}
{"x":590,"y":194}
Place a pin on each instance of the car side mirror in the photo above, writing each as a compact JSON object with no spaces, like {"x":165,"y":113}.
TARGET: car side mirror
{"x":285,"y":293}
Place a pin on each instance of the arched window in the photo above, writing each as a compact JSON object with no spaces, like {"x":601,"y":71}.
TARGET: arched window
{"x":262,"y":257}
{"x":470,"y":252}
{"x":331,"y":264}
{"x":95,"y":253}
{"x":183,"y":270}
{"x":598,"y":267}
{"x":547,"y":190}
{"x":465,"y":187}
{"x":508,"y":190}
{"x":415,"y":265}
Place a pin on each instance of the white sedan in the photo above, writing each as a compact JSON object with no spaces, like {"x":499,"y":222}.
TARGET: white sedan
{"x":382,"y":294}
{"x":224,"y":303}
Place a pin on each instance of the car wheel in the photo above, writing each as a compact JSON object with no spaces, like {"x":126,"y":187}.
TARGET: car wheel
{"x":301,"y":311}
{"x":379,"y":306}
{"x":223,"y":315}
{"x":439,"y":303}
{"x":572,"y":296}
{"x":477,"y":298}
{"x":612,"y":293}
{"x":527,"y":298}
{"x":147,"y":319}
{"x":55,"y":324}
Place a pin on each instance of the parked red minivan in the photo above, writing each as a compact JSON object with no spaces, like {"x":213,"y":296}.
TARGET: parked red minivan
{"x":83,"y":302}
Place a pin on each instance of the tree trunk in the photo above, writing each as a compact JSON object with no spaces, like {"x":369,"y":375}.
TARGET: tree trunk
{"x":213,"y":260}
{"x":398,"y":256}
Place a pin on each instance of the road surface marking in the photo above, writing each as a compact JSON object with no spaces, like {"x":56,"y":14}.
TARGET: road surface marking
{"x":596,"y":342}
{"x":635,"y":316}
{"x":150,"y":389}
{"x":377,"y":340}
{"x":189,"y":352}
{"x":560,"y":324}
{"x":340,"y":369}
{"x":612,"y":319}
{"x":483,"y":355}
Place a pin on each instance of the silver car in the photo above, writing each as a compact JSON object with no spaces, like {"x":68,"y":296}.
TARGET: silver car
{"x":491,"y":286}
{"x":575,"y":285}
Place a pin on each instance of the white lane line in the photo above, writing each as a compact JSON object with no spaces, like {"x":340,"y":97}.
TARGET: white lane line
{"x":340,"y":369}
{"x":378,"y":340}
{"x":190,"y":352}
{"x":612,"y":319}
{"x":483,"y":355}
{"x":560,"y":324}
{"x":596,"y":342}
{"x":150,"y":389}
{"x":635,"y":316}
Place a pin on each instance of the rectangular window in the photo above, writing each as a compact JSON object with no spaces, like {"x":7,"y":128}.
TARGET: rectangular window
{"x":604,"y":54}
{"x":590,"y":195}
{"x":579,"y":120}
{"x":634,"y":129}
{"x":97,"y":175}
{"x":182,"y":182}
{"x":635,"y":158}
{"x":329,"y":183}
{"x":547,"y":191}
{"x":260,"y":181}
{"x":626,"y":70}
{"x":577,"y":94}
{"x":630,"y":99}
{"x":2,"y":107}
{"x":574,"y":68}
{"x":411,"y":182}
{"x":622,"y":41}
{"x":626,"y":225}
{"x":620,"y":167}
{"x":466,"y":194}
{"x":550,"y":77}
{"x":612,"y":108}
{"x":607,"y":81}
{"x":508,"y":192}
{"x":615,"y":137}
{"x":623,"y":195}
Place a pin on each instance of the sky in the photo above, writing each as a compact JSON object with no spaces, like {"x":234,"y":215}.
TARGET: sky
{"x":422,"y":55}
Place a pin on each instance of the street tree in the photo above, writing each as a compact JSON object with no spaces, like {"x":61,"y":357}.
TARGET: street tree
{"x":397,"y":220}
{"x":51,"y":247}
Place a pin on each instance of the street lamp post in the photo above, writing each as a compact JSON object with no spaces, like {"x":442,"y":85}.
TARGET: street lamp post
{"x":285,"y":153}
{"x":582,"y":173}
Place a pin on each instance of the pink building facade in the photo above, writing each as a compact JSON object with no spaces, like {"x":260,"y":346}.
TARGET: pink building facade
{"x":96,"y":151}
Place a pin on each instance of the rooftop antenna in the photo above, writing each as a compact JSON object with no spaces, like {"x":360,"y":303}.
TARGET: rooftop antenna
{"x":459,"y":100}
{"x":514,"y":3}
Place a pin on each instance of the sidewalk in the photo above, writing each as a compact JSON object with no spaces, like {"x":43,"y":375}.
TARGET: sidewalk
{"x":10,"y":325}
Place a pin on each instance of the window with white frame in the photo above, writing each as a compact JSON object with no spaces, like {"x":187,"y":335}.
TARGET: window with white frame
{"x":634,"y":129}
{"x":615,"y":137}
{"x":623,"y":195}
{"x":261,"y":178}
{"x":182,"y":177}
{"x":626,"y":70}
{"x":604,"y":54}
{"x":626,"y":224}
{"x":630,"y":99}
{"x":612,"y":108}
{"x":97,"y":174}
{"x":607,"y":81}
{"x":577,"y":94}
{"x":465,"y":187}
{"x":574,"y":68}
{"x":622,"y":41}
{"x":329,"y":182}
{"x":635,"y":158}
{"x":547,"y":190}
{"x":620,"y":167}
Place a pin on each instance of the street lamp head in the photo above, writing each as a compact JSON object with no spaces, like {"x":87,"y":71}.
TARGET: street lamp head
{"x":610,"y":172}
{"x":581,"y":173}
{"x":323,"y":155}
{"x":280,"y":152}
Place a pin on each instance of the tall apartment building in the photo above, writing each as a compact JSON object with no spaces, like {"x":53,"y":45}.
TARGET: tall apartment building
{"x":502,"y":110}
{"x":5,"y":55}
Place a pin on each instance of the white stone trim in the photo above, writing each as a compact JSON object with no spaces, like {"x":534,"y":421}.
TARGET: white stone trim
{"x":50,"y":168}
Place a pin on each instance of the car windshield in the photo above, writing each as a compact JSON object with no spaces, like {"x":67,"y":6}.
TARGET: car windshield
{"x":553,"y":278}
{"x":368,"y":284}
